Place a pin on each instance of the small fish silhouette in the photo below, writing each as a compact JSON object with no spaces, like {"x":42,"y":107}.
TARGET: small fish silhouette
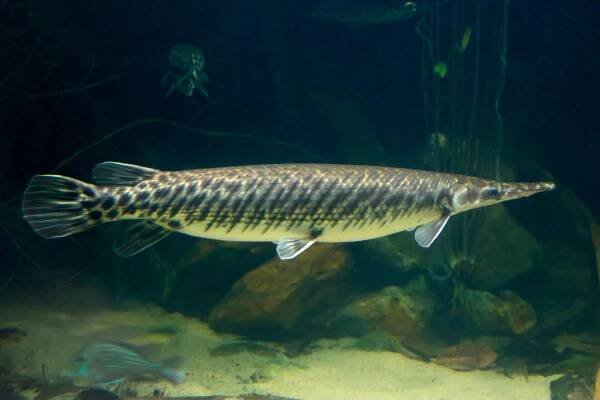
{"x":188,"y":76}
{"x":107,"y":363}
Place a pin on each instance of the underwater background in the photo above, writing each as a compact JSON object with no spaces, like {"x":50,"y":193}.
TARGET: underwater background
{"x":504,"y":305}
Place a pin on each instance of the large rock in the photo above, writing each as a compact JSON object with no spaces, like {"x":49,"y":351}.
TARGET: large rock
{"x":401,"y":312}
{"x":278,"y":293}
{"x":566,"y":271}
{"x":498,"y":249}
{"x":502,"y":249}
{"x":399,"y":252}
{"x":488,"y":313}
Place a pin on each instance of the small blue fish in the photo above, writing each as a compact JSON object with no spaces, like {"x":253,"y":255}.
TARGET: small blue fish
{"x":108,"y":363}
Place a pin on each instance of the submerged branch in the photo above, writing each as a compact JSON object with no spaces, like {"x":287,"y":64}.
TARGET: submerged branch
{"x":239,"y":135}
{"x":66,"y":91}
{"x":502,"y":83}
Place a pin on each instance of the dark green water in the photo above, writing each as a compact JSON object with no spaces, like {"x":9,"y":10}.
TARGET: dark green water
{"x":501,"y":90}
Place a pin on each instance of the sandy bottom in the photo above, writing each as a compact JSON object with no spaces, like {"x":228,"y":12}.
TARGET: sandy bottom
{"x":331,"y":371}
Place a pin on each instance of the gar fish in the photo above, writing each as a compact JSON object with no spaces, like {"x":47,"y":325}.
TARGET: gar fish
{"x":107,"y":363}
{"x":292,"y":205}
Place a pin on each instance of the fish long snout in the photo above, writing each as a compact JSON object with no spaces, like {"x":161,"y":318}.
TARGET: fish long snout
{"x":517,"y":190}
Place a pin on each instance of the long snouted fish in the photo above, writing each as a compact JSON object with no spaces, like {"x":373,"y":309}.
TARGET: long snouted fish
{"x":292,"y":205}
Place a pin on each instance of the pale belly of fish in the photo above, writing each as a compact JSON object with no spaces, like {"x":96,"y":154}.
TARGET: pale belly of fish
{"x":331,"y":233}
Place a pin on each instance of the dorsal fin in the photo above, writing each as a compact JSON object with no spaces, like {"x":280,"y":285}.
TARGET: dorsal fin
{"x":116,"y":173}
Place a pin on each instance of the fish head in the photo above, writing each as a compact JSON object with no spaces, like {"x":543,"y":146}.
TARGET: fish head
{"x":477,"y":193}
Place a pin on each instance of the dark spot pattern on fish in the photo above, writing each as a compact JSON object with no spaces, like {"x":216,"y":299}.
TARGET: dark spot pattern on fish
{"x":174,"y":224}
{"x":112,"y":214}
{"x":141,"y":196}
{"x":230,"y":190}
{"x":89,"y":192}
{"x":124,"y":199}
{"x":193,"y":205}
{"x":153,"y":208}
{"x":130,"y":209}
{"x":95,"y":215}
{"x":259,"y":205}
{"x":161,"y":193}
{"x":89,"y":204}
{"x":108,"y":202}
{"x":285,"y":207}
{"x":235,"y":217}
{"x":282,"y":199}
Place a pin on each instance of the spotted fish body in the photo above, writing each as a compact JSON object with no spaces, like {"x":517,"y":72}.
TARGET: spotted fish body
{"x":293,"y":205}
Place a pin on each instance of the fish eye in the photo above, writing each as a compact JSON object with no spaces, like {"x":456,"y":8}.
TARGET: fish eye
{"x":493,"y":192}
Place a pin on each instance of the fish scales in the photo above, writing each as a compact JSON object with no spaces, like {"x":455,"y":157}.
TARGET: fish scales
{"x":293,"y":205}
{"x":287,"y":199}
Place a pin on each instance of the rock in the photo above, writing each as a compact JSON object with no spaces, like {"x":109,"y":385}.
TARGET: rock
{"x":488,"y":313}
{"x":502,"y":250}
{"x":403,"y":313}
{"x":567,"y":271}
{"x":467,"y":356}
{"x":278,"y":293}
{"x":513,"y":366}
{"x":571,"y":387}
{"x":192,"y":277}
{"x":400,"y":252}
{"x":586,"y":343}
{"x":266,"y":373}
{"x":380,"y":341}
{"x":554,"y":314}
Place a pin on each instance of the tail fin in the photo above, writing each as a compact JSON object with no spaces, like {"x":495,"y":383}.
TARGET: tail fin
{"x":57,"y":206}
{"x":173,"y":375}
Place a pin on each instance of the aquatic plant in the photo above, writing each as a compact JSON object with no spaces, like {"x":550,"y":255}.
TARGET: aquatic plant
{"x":466,"y":135}
{"x":463,"y":110}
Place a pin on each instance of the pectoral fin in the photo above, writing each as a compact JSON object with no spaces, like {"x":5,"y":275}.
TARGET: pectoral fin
{"x":290,"y":248}
{"x":426,"y":234}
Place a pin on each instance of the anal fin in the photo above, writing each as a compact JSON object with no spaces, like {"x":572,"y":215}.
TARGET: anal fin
{"x":138,"y":237}
{"x":426,"y":234}
{"x":290,"y":248}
